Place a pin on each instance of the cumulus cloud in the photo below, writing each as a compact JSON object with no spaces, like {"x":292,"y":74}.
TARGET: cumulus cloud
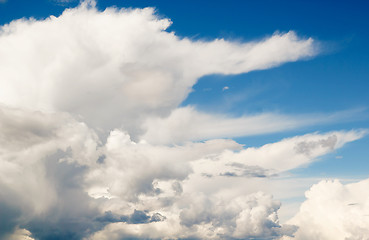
{"x":333,"y":210}
{"x":57,"y":162}
{"x":53,"y":160}
{"x":245,"y":217}
{"x":169,"y":179}
{"x":117,"y":67}
{"x":41,"y":189}
{"x":130,"y":168}
{"x":94,"y":145}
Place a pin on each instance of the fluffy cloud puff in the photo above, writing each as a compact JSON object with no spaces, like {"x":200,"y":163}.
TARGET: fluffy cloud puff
{"x":129,"y":168}
{"x":201,"y":217}
{"x":171,"y":181}
{"x":334,"y":211}
{"x":118,"y":67}
{"x":40,"y":186}
{"x":73,"y":182}
{"x":53,"y":160}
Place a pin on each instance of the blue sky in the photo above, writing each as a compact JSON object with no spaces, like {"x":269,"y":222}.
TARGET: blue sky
{"x":335,"y":80}
{"x":163,"y":120}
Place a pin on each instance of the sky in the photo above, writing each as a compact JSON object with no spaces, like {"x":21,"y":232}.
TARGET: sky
{"x":138,"y":119}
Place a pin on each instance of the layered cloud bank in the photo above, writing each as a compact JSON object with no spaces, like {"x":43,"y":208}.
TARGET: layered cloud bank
{"x":94,"y":145}
{"x":122,"y":189}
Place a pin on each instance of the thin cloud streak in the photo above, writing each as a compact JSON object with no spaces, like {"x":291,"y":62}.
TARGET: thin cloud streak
{"x":187,"y":124}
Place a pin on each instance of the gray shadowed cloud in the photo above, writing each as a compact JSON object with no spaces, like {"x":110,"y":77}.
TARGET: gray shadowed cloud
{"x":9,"y":214}
{"x":305,"y":147}
{"x":72,"y":217}
{"x":137,"y":217}
{"x":244,"y":170}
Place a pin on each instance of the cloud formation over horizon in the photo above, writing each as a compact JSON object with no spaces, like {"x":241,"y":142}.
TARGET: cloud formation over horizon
{"x":94,"y":143}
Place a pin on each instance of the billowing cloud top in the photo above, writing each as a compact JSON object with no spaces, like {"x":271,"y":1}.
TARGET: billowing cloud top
{"x":118,"y":67}
{"x":94,"y":145}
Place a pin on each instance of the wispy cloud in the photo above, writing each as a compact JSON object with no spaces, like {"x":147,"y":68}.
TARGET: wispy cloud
{"x":188,"y":124}
{"x":64,"y":2}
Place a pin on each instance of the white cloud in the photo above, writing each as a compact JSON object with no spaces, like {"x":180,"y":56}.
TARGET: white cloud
{"x":20,"y":234}
{"x":334,"y":211}
{"x":54,"y":160}
{"x":201,"y":217}
{"x":130,"y":168}
{"x":117,"y":67}
{"x":149,"y":177}
{"x":187,"y":124}
{"x":64,"y":79}
{"x":292,"y":152}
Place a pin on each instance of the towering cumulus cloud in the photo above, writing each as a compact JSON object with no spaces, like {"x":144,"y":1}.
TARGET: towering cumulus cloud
{"x":334,"y":211}
{"x":94,"y":145}
{"x":119,"y":67}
